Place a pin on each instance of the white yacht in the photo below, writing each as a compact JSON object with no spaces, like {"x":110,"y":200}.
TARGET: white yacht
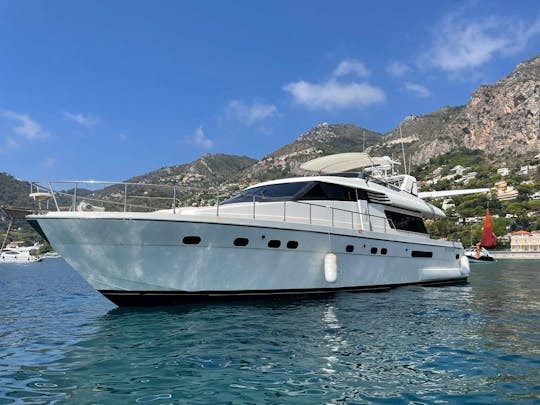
{"x":18,"y":255}
{"x":315,"y":234}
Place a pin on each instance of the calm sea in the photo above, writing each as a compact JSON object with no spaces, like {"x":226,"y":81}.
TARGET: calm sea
{"x":61,"y":342}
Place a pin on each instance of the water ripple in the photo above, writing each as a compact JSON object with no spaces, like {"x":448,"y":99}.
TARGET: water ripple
{"x":61,"y":342}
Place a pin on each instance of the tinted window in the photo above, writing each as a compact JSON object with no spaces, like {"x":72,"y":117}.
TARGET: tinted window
{"x":274,"y":192}
{"x":274,"y":244}
{"x":241,"y":242}
{"x":191,"y":240}
{"x":329,"y":191}
{"x":420,"y":253}
{"x":406,"y":222}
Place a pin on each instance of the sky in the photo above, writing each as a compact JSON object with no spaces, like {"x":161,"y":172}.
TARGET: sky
{"x":107,"y":90}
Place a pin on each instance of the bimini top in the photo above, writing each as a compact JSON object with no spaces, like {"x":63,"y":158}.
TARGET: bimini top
{"x":345,"y":162}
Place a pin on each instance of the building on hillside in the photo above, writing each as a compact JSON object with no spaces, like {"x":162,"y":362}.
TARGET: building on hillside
{"x":504,"y":191}
{"x":459,"y":170}
{"x":503,"y":171}
{"x":448,"y":204}
{"x":524,"y":170}
{"x":535,"y":196}
{"x":523,"y":241}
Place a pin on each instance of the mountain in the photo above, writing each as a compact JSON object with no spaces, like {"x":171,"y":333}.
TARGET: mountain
{"x":207,"y":170}
{"x":14,"y":192}
{"x":502,"y":119}
{"x":320,"y":140}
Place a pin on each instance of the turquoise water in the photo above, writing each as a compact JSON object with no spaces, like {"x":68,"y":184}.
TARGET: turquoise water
{"x":61,"y":342}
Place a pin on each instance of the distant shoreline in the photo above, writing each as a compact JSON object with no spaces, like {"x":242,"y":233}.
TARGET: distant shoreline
{"x":507,"y":254}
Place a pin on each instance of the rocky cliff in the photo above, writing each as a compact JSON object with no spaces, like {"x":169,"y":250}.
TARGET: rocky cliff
{"x":502,"y":119}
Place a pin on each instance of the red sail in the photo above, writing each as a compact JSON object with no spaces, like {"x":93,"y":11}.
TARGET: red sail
{"x":488,"y":240}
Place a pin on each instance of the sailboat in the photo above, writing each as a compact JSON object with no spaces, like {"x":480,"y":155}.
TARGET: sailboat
{"x":479,"y":252}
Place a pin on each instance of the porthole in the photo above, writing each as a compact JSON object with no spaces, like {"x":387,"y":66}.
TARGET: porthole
{"x":292,"y":244}
{"x":349,"y":248}
{"x":421,"y":253}
{"x":457,"y":257}
{"x":373,"y":250}
{"x":274,"y":244}
{"x":191,"y":240}
{"x":384,"y":251}
{"x":241,"y":242}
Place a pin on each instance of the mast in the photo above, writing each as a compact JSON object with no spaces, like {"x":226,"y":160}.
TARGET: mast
{"x":403,"y":151}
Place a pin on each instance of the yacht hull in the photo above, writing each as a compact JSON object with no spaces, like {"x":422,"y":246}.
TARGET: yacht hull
{"x":147,"y":259}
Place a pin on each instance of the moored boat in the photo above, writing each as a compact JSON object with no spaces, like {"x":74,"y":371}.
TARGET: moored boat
{"x":328,"y":232}
{"x":13,"y":254}
{"x":479,"y":252}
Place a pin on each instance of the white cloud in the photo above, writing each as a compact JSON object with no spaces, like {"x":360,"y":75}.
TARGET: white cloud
{"x":199,"y":138}
{"x":351,"y":66}
{"x":332,"y":95}
{"x":87,"y":120}
{"x":417,"y":89}
{"x":336,"y":92}
{"x":9,"y":143}
{"x":251,"y":114}
{"x":398,"y":69}
{"x":26,"y":126}
{"x":48,"y":163}
{"x":465,"y":44}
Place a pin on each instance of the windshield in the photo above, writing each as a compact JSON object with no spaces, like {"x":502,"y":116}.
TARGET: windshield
{"x":274,"y":192}
{"x":302,"y":190}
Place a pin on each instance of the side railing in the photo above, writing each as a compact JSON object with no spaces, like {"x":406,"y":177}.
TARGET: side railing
{"x":69,"y":195}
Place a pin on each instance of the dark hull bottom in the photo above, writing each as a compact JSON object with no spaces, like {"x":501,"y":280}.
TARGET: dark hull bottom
{"x":485,"y":259}
{"x":155,"y":298}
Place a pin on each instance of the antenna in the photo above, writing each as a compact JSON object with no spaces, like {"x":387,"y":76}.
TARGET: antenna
{"x":363,"y":140}
{"x":403,"y":151}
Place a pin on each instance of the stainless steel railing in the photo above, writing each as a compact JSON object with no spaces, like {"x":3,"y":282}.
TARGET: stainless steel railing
{"x":122,"y":196}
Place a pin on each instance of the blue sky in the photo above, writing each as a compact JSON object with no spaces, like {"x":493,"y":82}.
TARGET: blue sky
{"x":111,"y":89}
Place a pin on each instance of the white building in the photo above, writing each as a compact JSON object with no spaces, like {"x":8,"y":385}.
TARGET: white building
{"x":503,"y":171}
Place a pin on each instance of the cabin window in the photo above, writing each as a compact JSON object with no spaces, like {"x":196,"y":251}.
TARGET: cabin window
{"x":405,"y":222}
{"x":241,"y":242}
{"x":292,"y":244}
{"x":273,"y":192}
{"x":329,"y":191}
{"x":373,"y":250}
{"x":274,"y":243}
{"x":191,"y":240}
{"x":349,"y":248}
{"x":384,"y":251}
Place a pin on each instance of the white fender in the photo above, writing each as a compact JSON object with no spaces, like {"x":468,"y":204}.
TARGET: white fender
{"x":465,"y":266}
{"x":330,"y":267}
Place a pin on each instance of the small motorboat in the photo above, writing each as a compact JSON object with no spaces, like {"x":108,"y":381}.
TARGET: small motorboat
{"x":478,"y":254}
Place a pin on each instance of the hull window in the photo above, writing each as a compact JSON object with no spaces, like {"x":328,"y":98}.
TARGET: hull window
{"x":384,"y":251}
{"x":420,"y":253}
{"x":274,"y":244}
{"x":241,"y":242}
{"x":373,"y":250}
{"x":349,"y":248}
{"x":191,"y":240}
{"x":292,"y":244}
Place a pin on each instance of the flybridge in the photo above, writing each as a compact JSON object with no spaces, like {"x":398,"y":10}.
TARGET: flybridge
{"x":381,"y":169}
